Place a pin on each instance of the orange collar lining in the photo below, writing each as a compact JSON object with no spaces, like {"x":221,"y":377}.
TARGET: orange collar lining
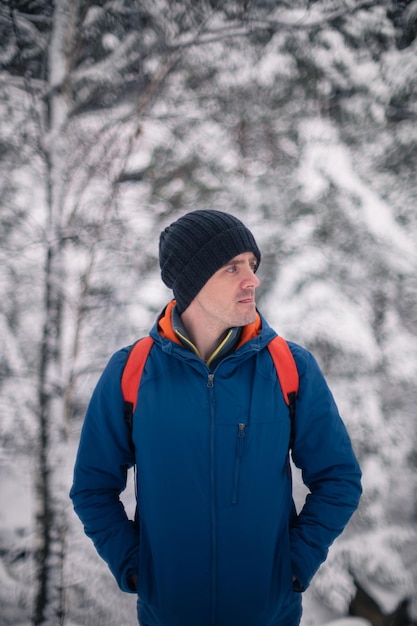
{"x":165,"y":327}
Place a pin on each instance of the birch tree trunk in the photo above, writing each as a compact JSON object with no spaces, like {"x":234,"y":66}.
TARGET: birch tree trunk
{"x":50,"y":495}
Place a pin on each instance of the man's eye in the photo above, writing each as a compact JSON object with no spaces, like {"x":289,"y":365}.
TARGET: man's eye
{"x":231,"y":269}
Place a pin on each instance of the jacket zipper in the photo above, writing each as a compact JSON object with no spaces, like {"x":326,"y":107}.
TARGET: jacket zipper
{"x":210,"y":385}
{"x":240,"y":444}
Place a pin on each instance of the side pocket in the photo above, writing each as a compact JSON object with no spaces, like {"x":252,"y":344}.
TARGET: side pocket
{"x":146,"y":580}
{"x":288,"y":470}
{"x":240,"y":447}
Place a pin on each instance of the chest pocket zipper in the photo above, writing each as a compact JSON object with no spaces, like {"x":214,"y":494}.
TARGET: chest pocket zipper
{"x":240,"y":446}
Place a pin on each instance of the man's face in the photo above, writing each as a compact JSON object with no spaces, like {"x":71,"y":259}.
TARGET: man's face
{"x":228,"y":297}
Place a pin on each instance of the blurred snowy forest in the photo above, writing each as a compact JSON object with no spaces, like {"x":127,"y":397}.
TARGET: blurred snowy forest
{"x":116,"y":117}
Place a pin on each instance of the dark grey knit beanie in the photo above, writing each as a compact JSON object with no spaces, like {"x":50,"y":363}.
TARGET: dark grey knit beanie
{"x":198,"y":244}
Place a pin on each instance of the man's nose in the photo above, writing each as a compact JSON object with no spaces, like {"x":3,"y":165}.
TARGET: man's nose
{"x":250,"y":280}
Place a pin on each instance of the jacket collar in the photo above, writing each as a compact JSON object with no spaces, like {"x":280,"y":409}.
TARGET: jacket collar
{"x":170,"y":327}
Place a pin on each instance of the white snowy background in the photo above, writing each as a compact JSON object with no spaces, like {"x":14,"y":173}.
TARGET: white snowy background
{"x":299,"y":118}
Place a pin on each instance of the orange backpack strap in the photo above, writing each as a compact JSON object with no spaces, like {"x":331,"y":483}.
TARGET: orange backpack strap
{"x":287,"y":375}
{"x":285,"y":365}
{"x":132,"y":374}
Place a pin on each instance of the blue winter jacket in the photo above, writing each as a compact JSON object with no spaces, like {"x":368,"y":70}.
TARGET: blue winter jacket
{"x":218,"y":541}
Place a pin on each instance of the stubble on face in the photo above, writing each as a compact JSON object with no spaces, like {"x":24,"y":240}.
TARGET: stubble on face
{"x":223,"y":301}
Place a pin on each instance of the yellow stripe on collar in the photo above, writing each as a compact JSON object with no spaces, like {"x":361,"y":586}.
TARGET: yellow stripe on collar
{"x":195,"y":349}
{"x":219,"y":347}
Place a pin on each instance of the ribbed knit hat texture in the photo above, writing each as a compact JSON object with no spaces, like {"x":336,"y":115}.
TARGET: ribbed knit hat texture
{"x":198,"y":244}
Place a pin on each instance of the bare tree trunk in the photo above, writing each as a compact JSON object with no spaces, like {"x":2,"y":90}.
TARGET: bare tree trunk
{"x":50,"y":504}
{"x":49,"y":537}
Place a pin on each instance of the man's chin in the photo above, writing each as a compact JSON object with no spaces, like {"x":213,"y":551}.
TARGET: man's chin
{"x":247,"y":317}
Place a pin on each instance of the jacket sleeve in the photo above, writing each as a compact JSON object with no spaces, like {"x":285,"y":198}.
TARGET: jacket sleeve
{"x":323,"y":451}
{"x":103,"y":459}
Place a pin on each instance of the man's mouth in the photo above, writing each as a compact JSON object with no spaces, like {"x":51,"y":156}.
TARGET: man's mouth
{"x":247,"y":300}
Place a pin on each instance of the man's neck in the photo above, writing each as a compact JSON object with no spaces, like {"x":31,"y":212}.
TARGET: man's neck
{"x":227,"y":344}
{"x":205,"y":339}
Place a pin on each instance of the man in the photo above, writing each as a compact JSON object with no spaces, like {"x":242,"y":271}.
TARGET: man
{"x":218,"y":541}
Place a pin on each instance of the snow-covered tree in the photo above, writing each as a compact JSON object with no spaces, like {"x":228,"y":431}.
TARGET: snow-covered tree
{"x":300,"y":118}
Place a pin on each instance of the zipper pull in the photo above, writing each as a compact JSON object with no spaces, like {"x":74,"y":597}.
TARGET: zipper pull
{"x":240,"y":445}
{"x":210,"y":380}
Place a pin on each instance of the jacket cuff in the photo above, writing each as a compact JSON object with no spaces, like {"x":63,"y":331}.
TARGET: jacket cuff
{"x":297,"y":586}
{"x":130,"y":582}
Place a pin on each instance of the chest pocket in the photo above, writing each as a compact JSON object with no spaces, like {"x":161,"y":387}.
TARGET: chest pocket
{"x":252,"y":432}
